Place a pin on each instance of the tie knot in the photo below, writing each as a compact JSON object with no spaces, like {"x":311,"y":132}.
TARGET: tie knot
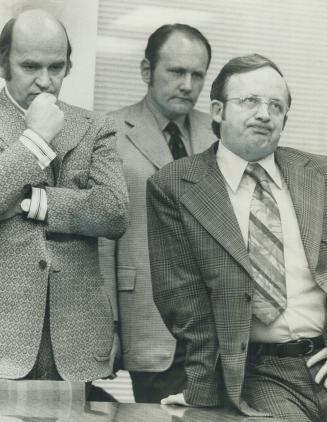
{"x":172,"y":129}
{"x":257,"y":172}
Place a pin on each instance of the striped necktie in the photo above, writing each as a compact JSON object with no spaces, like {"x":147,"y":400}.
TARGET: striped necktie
{"x":175,"y":143}
{"x":266,"y":249}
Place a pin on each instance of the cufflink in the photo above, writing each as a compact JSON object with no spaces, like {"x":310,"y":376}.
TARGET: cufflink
{"x":25,"y":205}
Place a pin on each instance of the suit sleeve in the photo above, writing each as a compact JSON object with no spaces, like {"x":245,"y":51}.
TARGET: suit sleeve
{"x":181,"y":296}
{"x":101,"y":208}
{"x":18,"y":168}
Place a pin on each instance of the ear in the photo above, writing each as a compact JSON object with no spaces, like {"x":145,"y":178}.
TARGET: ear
{"x":2,"y":72}
{"x":285,"y":120}
{"x":216,"y":109}
{"x":146,"y":71}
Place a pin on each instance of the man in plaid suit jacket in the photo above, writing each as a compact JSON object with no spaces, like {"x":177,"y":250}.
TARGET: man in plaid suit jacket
{"x":61,"y":187}
{"x":204,"y":286}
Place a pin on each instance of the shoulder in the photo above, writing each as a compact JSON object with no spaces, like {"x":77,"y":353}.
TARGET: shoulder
{"x":129,"y":110}
{"x":296,"y":156}
{"x":175,"y":176}
{"x":200,"y":116}
{"x":96,"y":119}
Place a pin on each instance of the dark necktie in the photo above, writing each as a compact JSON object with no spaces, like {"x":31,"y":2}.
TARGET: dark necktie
{"x":266,"y":249}
{"x":175,"y":143}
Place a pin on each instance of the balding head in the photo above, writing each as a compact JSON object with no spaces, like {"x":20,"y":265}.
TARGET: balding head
{"x":35,"y":23}
{"x":37,"y":58}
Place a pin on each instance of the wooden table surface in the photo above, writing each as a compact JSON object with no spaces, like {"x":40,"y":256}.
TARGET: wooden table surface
{"x":47,"y":401}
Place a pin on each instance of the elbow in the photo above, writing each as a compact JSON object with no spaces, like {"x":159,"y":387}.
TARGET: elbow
{"x":116,"y":224}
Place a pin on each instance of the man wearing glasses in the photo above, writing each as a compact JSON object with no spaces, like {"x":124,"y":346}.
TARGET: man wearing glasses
{"x":238,"y":249}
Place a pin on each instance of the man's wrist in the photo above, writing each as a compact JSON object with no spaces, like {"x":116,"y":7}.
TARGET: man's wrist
{"x":35,"y":206}
{"x":39,"y":148}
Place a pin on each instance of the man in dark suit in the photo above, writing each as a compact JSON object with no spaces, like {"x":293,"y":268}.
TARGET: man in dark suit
{"x":238,"y":250}
{"x":174,"y":69}
{"x":61,"y":186}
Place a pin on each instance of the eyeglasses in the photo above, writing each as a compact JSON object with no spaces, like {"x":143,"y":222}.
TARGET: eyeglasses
{"x":253,"y":102}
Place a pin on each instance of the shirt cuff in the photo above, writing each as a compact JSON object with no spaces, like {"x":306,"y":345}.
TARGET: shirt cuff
{"x":37,"y":206}
{"x":42,"y":151}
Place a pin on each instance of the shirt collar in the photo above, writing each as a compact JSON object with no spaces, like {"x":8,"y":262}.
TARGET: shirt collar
{"x":232,"y":167}
{"x":162,"y":120}
{"x":20,"y":108}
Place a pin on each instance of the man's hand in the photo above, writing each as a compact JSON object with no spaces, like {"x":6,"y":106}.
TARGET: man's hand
{"x":322,"y":373}
{"x":44,"y":117}
{"x":175,"y":399}
{"x":14,"y":210}
{"x":114,"y":356}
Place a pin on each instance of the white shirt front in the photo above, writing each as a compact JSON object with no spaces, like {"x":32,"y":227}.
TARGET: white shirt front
{"x":305,"y":312}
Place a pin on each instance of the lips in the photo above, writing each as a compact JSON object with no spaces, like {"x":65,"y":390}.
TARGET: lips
{"x":183,"y":99}
{"x":260,"y":128}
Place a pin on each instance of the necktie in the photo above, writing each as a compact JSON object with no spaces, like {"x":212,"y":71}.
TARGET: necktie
{"x":266,"y":249}
{"x":175,"y":143}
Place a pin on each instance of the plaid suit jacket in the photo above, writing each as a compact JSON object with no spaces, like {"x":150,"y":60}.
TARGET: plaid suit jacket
{"x":86,"y":198}
{"x":201,"y":273}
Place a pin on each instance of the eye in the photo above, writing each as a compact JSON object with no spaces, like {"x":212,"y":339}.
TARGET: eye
{"x":57,"y":67}
{"x":177,"y":72}
{"x":29,"y":67}
{"x":198,"y":76}
{"x":277,"y":106}
{"x":250,"y":101}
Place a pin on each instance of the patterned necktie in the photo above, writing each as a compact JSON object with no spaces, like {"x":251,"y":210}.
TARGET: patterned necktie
{"x":266,"y":249}
{"x":175,"y":143}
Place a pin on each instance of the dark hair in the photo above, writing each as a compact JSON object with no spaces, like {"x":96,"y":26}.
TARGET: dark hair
{"x":158,"y":38}
{"x":237,"y":65}
{"x":5,"y":47}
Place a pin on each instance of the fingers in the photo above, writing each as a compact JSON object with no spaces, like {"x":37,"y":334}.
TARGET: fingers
{"x":322,"y":354}
{"x":44,"y":116}
{"x":175,"y":399}
{"x":322,"y":372}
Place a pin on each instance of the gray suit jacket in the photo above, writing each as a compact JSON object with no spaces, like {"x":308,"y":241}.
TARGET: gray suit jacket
{"x":146,"y":343}
{"x":86,"y":198}
{"x":202,"y":278}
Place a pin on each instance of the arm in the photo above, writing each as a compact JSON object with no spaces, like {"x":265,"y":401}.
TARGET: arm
{"x":181,"y":296}
{"x":20,"y":163}
{"x":107,"y":263}
{"x":100,"y":209}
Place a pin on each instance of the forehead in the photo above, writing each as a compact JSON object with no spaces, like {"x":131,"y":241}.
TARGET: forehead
{"x":181,"y":49}
{"x":266,"y":82}
{"x":30,"y":44}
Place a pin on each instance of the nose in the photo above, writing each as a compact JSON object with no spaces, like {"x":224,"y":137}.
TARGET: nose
{"x":43,"y":80}
{"x":187,"y":83}
{"x":262,"y":112}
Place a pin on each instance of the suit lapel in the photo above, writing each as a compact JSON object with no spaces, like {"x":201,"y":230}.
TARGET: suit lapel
{"x":75,"y":127}
{"x":142,"y":130}
{"x":307,"y":190}
{"x":208,"y":201}
{"x":12,"y":122}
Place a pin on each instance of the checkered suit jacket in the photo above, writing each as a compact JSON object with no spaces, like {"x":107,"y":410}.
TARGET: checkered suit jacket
{"x":147,"y":345}
{"x":86,"y":198}
{"x":202,"y":280}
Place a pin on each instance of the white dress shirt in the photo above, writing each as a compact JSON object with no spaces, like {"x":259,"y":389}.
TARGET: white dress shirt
{"x":305,"y":312}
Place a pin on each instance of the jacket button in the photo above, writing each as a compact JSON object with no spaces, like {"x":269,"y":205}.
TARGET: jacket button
{"x":43,"y":264}
{"x":248,"y":297}
{"x":243,"y":346}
